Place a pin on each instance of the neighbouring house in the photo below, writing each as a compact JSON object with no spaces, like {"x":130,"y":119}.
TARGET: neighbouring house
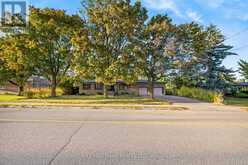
{"x":33,"y":82}
{"x":140,"y":88}
{"x":8,"y":87}
{"x":241,"y":86}
{"x":38,"y":82}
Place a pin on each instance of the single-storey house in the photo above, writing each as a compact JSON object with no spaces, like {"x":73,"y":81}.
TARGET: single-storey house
{"x":241,"y":86}
{"x":140,"y":88}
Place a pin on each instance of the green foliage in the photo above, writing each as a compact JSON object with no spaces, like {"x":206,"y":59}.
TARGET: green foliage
{"x":110,"y":46}
{"x":244,"y":68}
{"x":67,"y":85}
{"x":157,"y":48}
{"x":17,"y":54}
{"x":53,"y":31}
{"x":40,"y":93}
{"x":199,"y":58}
{"x":201,"y":94}
{"x":241,"y":95}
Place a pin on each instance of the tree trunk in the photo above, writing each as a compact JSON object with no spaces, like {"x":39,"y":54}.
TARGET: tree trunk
{"x":105,"y":91}
{"x":116,"y":89}
{"x":53,"y":86}
{"x":20,"y":90}
{"x":152,"y":89}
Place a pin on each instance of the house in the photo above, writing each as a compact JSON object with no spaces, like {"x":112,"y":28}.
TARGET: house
{"x":33,"y":82}
{"x":241,"y":86}
{"x":140,"y":88}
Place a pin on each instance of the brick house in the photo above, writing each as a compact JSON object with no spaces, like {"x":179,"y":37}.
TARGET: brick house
{"x":140,"y":88}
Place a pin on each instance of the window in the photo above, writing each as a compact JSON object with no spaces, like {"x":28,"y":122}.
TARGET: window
{"x":98,"y":86}
{"x":86,"y":86}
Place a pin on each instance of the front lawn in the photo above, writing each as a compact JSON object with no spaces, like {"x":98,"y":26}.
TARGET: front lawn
{"x":87,"y":100}
{"x":236,"y":101}
{"x":10,"y":98}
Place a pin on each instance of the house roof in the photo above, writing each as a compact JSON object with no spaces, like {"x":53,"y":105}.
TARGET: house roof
{"x":121,"y":81}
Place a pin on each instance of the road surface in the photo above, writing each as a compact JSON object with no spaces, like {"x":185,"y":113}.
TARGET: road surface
{"x":75,"y":136}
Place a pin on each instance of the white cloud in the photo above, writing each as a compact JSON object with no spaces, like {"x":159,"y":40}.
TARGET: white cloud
{"x":211,"y":3}
{"x":194,"y":16}
{"x":163,"y":5}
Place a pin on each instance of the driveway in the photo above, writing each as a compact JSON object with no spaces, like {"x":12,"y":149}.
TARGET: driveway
{"x":197,"y":105}
{"x":73,"y":136}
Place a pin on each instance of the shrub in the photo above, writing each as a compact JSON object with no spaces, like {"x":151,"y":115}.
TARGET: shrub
{"x":201,"y":94}
{"x":67,"y":86}
{"x":29,"y":94}
{"x":37,"y":93}
{"x":99,"y":93}
{"x":241,"y":95}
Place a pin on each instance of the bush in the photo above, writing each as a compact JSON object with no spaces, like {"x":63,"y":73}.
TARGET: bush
{"x":67,"y":86}
{"x":29,"y":94}
{"x":201,"y":94}
{"x":38,"y":93}
{"x":241,"y":95}
{"x":99,"y":93}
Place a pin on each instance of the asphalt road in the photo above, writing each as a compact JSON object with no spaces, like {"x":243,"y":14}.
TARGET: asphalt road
{"x":74,"y":136}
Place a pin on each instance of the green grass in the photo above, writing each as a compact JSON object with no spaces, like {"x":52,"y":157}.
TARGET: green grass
{"x":87,"y":100}
{"x":10,"y":98}
{"x":236,"y":101}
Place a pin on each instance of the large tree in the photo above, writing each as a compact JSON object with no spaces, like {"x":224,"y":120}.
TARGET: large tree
{"x":244,"y":69}
{"x":158,"y":48}
{"x":190,"y":48}
{"x":53,"y":31}
{"x":17,"y":54}
{"x":200,"y":54}
{"x":216,"y":75}
{"x":113,"y":27}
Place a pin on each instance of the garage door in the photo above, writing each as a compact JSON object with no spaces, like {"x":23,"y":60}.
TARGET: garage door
{"x":158,"y":91}
{"x":143,"y":92}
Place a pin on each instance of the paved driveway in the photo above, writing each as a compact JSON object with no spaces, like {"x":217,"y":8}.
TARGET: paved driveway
{"x":73,"y":136}
{"x":199,"y":105}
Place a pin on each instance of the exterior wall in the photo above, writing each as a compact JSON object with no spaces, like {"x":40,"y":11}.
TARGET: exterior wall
{"x":120,"y":87}
{"x":89,"y":91}
{"x":9,"y":87}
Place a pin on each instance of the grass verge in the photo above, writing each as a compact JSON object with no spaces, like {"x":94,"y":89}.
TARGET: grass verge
{"x":117,"y":100}
{"x":236,"y":101}
{"x":96,"y":102}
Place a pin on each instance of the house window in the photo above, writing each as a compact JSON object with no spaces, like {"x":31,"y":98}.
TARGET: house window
{"x":86,"y":86}
{"x":99,"y":86}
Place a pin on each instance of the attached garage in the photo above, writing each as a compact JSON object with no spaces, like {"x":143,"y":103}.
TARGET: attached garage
{"x":143,"y":92}
{"x":158,"y":91}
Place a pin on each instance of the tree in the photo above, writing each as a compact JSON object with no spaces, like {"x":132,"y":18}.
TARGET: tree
{"x":17,"y":54}
{"x":190,"y":48}
{"x":216,"y":76}
{"x":243,"y":68}
{"x":200,"y":53}
{"x":158,"y":48}
{"x":53,"y":30}
{"x":112,"y":29}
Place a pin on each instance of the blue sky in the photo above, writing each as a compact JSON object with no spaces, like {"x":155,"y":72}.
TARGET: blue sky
{"x":231,"y":16}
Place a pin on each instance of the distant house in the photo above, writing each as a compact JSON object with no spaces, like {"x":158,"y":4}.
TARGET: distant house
{"x":33,"y":82}
{"x":38,"y":82}
{"x":241,"y":86}
{"x":138,"y":88}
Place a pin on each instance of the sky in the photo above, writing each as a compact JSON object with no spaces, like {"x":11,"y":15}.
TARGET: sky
{"x":230,"y":16}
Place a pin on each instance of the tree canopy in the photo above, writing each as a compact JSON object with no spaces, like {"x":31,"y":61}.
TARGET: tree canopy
{"x":244,"y":68}
{"x":112,"y":32}
{"x":53,"y":31}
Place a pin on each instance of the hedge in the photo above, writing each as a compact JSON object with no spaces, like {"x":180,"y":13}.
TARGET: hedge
{"x":201,"y":94}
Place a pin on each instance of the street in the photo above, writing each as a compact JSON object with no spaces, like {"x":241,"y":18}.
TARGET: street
{"x":74,"y":136}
